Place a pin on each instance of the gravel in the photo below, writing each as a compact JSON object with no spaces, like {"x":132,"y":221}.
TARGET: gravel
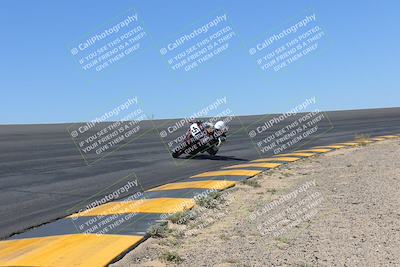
{"x":341,"y":208}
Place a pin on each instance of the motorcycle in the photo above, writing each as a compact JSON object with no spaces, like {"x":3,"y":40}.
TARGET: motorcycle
{"x":201,"y":140}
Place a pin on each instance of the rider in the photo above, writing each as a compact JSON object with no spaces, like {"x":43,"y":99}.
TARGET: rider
{"x":198,"y":129}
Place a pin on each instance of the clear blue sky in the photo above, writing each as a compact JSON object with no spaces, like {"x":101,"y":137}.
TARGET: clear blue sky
{"x":355,"y":66}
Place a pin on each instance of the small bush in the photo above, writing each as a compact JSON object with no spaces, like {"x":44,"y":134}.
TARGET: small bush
{"x":272,"y":191}
{"x":283,"y":239}
{"x":215,"y":195}
{"x":210,"y":201}
{"x":171,"y":257}
{"x":224,"y":237}
{"x":252,"y":183}
{"x":182,"y":217}
{"x":158,"y":230}
{"x":362,"y":138}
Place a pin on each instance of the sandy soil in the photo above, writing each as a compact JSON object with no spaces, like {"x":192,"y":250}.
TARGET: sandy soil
{"x":337,"y":209}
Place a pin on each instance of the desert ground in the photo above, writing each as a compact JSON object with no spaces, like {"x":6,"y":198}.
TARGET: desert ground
{"x":341,"y":208}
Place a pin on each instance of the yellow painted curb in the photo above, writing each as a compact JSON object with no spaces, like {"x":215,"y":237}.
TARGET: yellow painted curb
{"x":332,"y":146}
{"x":378,"y":139}
{"x":154,"y":205}
{"x":346,"y":144}
{"x":227,"y":173}
{"x":65,"y":250}
{"x":305,"y":155}
{"x":254,"y":165}
{"x":388,"y":136}
{"x":281,"y":159}
{"x":365,"y":142}
{"x":317,"y":150}
{"x":215,"y":185}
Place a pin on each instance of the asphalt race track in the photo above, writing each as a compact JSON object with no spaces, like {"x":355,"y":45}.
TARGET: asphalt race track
{"x":43,"y":176}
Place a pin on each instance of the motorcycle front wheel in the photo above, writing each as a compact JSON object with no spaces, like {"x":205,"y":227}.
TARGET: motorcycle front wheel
{"x":212,"y":151}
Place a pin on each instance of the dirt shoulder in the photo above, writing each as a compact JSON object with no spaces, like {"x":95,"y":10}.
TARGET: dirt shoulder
{"x":337,"y":209}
